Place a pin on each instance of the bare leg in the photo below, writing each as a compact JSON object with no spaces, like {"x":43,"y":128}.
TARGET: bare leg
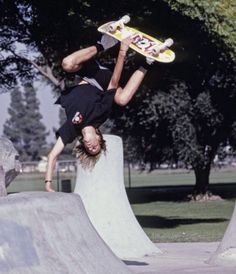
{"x":123,"y":96}
{"x":72,"y":62}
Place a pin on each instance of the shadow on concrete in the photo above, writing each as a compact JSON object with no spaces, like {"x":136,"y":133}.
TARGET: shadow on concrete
{"x":147,"y":194}
{"x":172,"y":222}
{"x":134,"y":263}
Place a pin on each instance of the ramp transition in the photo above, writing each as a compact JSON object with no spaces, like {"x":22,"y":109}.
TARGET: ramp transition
{"x":103,"y":193}
{"x":45,"y":233}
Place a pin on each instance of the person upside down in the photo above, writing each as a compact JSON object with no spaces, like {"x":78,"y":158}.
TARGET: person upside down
{"x":88,"y":104}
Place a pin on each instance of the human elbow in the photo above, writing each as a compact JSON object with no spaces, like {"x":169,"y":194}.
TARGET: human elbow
{"x":52,"y":157}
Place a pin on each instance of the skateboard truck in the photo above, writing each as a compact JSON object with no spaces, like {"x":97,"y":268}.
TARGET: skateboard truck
{"x":161,"y":48}
{"x":120,"y":23}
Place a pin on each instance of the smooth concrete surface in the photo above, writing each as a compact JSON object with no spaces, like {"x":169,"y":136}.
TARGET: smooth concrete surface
{"x":226,"y":251}
{"x":9,"y":164}
{"x":103,"y":193}
{"x":50,"y":233}
{"x":180,"y":258}
{"x":9,"y":160}
{"x":3,"y":190}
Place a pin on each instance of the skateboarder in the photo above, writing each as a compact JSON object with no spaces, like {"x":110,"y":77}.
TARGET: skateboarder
{"x":87,"y":105}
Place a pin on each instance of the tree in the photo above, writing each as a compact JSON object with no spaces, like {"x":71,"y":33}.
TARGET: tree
{"x":36,"y":35}
{"x":24,"y":127}
{"x":13,"y":127}
{"x":218,"y":18}
{"x":33,"y":130}
{"x":190,"y":115}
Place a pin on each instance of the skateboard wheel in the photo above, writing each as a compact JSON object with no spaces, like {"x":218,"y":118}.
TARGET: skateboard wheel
{"x":155,"y":50}
{"x":125,"y":19}
{"x":168,"y":42}
{"x":113,"y":27}
{"x":120,"y":23}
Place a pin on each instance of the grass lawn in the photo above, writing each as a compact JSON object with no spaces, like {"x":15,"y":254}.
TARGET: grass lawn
{"x":35,"y":182}
{"x":166,"y":217}
{"x":184,"y":221}
{"x":31,"y":182}
{"x":163,"y":216}
{"x":176,"y":177}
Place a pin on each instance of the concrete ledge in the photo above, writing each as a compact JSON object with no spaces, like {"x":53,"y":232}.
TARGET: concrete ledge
{"x":45,"y":233}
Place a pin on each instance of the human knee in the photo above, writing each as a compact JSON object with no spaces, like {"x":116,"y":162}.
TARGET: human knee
{"x":67,"y":64}
{"x":120,"y":99}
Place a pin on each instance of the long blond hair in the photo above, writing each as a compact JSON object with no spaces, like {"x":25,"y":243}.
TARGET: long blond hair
{"x":87,"y":160}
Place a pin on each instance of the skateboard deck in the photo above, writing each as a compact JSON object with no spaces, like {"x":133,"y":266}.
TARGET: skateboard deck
{"x":142,"y":42}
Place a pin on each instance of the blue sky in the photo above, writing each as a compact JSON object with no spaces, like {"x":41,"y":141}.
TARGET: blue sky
{"x":48,"y":110}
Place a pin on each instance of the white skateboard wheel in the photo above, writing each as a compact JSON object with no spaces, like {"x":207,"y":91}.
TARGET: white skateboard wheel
{"x":156,"y":50}
{"x":160,"y":48}
{"x":168,"y":42}
{"x":125,"y":19}
{"x":120,"y":23}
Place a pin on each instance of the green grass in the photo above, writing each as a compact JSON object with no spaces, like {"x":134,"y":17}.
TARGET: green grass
{"x":184,"y":222}
{"x":176,"y":177}
{"x":35,"y":182}
{"x":163,"y":218}
{"x":31,"y":182}
{"x":169,"y":221}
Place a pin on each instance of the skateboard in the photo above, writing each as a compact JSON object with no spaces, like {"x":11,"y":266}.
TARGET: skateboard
{"x":142,"y":42}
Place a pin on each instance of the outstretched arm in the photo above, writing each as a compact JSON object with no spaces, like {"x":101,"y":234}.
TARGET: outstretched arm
{"x":124,"y":46}
{"x":52,"y":159}
{"x":124,"y":95}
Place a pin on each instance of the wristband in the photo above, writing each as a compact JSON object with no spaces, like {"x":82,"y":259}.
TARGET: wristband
{"x":146,"y":66}
{"x":99,"y":47}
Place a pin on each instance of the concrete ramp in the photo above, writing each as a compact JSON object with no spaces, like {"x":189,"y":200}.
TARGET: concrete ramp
{"x":47,"y":233}
{"x":103,"y":194}
{"x":226,"y":251}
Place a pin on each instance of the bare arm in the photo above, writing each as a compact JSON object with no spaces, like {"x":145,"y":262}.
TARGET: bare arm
{"x":124,"y":95}
{"x":124,"y":46}
{"x":52,"y":159}
{"x":72,"y":62}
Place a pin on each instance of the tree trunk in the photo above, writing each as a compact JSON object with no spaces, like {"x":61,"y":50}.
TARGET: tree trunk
{"x":201,"y":180}
{"x":201,"y":190}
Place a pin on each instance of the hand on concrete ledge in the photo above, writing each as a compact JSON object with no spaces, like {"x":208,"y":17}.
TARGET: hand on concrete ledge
{"x":48,"y":187}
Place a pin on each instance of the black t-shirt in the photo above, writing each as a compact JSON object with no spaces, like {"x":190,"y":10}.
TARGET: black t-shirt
{"x":86,"y":101}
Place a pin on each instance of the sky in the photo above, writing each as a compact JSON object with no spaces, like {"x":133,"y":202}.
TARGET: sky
{"x":48,"y":109}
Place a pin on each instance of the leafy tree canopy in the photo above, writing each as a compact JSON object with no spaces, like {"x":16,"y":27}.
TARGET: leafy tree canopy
{"x":218,"y":17}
